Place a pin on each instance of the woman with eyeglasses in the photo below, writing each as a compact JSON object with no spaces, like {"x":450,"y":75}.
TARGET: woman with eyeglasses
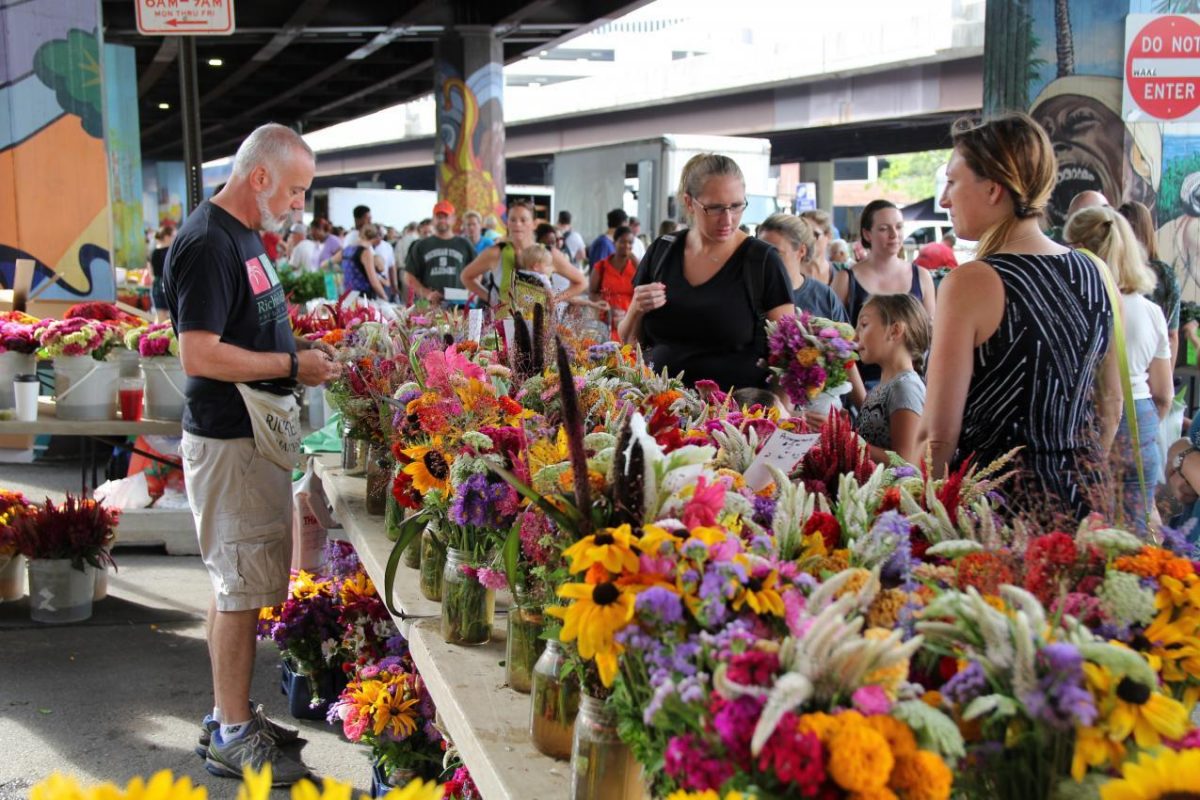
{"x":881,"y":230}
{"x":702,"y":295}
{"x":1020,"y":354}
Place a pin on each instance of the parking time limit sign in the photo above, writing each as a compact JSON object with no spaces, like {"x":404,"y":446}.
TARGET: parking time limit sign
{"x":184,"y":17}
{"x":1162,"y":68}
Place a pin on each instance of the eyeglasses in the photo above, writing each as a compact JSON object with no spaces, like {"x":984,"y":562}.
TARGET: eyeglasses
{"x":734,"y":210}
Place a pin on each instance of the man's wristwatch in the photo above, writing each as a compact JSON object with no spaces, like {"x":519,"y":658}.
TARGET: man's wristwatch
{"x":294,"y":370}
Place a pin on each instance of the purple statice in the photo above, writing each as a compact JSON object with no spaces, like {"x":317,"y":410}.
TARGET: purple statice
{"x":894,"y":527}
{"x":736,"y":637}
{"x":341,"y":561}
{"x":1060,"y":699}
{"x":600,"y":352}
{"x":1181,"y":541}
{"x":905,"y":471}
{"x":658,"y":606}
{"x":764,"y":511}
{"x":482,"y":504}
{"x":966,"y":685}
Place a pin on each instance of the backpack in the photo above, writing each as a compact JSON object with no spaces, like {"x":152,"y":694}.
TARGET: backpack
{"x":753,"y":273}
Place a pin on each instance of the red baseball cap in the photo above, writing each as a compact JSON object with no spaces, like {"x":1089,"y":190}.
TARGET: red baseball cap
{"x":443,"y":207}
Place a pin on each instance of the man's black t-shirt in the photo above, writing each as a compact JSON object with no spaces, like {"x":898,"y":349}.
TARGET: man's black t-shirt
{"x":218,"y":279}
{"x":438,"y":263}
{"x":708,"y":331}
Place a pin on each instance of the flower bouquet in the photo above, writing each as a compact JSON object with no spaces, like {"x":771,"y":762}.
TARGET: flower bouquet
{"x":809,"y":356}
{"x":12,"y":585}
{"x":65,"y":543}
{"x":153,"y":340}
{"x":386,"y":707}
{"x":18,"y":333}
{"x":76,"y":337}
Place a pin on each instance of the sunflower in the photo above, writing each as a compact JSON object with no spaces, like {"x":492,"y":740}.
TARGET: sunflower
{"x":384,"y":702}
{"x":1157,"y":776}
{"x":613,"y":548}
{"x":429,"y":470}
{"x":599,"y":611}
{"x":1171,"y":647}
{"x":1134,"y":708}
{"x":162,"y":786}
{"x":305,"y":586}
{"x":762,"y":595}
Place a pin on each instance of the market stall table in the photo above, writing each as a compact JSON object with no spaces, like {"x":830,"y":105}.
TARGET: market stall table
{"x":488,"y":722}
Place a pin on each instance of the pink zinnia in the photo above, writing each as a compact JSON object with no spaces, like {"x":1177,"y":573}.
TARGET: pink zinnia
{"x":706,"y":503}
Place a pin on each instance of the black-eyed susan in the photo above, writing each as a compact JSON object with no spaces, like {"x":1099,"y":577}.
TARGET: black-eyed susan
{"x":1131,"y":708}
{"x":599,"y":610}
{"x":612,"y":548}
{"x":1157,"y":776}
{"x":430,"y":468}
{"x":761,"y":593}
{"x":1171,"y":646}
{"x":1093,"y":749}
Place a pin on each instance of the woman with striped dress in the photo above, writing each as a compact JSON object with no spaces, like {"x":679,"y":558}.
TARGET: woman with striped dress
{"x":1020,"y":354}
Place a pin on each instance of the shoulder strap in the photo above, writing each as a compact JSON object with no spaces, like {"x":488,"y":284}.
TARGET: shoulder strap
{"x":508,"y":271}
{"x":1118,"y":335}
{"x":662,"y":247}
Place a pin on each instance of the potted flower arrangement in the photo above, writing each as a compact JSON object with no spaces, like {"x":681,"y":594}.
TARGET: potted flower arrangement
{"x":85,"y":380}
{"x":65,"y":544}
{"x":810,"y":358}
{"x":18,"y":348}
{"x":385,"y":706}
{"x":12,"y":563}
{"x":162,"y":371}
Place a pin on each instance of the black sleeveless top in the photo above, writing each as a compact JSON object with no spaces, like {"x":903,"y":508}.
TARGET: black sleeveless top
{"x":1033,"y":382}
{"x":856,"y":298}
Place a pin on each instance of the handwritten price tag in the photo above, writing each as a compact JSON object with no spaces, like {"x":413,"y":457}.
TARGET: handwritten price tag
{"x":783,"y":450}
{"x":475,"y":324}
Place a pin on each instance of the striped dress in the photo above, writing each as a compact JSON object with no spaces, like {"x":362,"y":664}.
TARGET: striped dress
{"x":1033,"y":382}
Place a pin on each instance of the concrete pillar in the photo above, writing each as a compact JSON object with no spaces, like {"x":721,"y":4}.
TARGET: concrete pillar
{"x":469,"y":144}
{"x":820,"y":173}
{"x":54,"y":177}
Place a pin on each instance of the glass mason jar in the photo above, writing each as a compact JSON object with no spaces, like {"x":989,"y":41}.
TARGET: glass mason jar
{"x":523,"y":647}
{"x":379,"y":479}
{"x":554,"y":704}
{"x":393,"y":516}
{"x":353,"y":451}
{"x":433,"y":563}
{"x":468,"y":607}
{"x":602,"y":766}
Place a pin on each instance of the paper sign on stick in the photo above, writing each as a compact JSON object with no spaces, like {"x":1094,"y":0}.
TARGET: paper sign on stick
{"x":783,"y":450}
{"x":475,"y":324}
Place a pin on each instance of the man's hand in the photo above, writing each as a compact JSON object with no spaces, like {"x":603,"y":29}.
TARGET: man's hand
{"x":434,"y":296}
{"x":317,"y":367}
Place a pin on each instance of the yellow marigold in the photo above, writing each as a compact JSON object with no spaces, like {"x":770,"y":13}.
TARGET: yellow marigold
{"x":819,"y":724}
{"x":859,"y":758}
{"x":883,"y":793}
{"x":807,"y":356}
{"x":885,"y":608}
{"x":899,"y":736}
{"x":922,"y":776}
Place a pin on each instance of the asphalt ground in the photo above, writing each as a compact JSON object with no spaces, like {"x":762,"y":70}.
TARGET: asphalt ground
{"x":122,"y":694}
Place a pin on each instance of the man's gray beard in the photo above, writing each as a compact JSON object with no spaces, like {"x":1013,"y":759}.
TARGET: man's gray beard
{"x":268,"y":222}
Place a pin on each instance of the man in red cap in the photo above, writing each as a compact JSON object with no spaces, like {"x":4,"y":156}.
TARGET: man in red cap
{"x":435,"y":263}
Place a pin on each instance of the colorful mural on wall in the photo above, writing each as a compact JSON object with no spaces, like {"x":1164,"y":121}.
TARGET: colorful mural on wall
{"x":470,"y":139}
{"x":54,"y":192}
{"x":1063,"y":60}
{"x":124,"y":156}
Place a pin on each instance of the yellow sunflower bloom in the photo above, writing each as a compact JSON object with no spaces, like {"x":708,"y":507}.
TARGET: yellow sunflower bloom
{"x":1093,"y":748}
{"x":544,"y":453}
{"x":762,"y":595}
{"x":1156,"y":776}
{"x":1131,"y":708}
{"x":387,"y":709}
{"x":654,"y":539}
{"x":162,"y":786}
{"x":612,"y":548}
{"x":599,"y":611}
{"x":1172,"y":647}
{"x":429,"y":470}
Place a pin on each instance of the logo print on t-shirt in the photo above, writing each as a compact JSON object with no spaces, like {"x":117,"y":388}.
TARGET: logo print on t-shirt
{"x":261,"y":274}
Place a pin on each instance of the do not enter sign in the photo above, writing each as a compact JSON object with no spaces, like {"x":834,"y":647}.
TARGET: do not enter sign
{"x":1162,"y":68}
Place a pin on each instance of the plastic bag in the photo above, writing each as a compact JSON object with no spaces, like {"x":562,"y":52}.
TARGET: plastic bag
{"x":311,"y":521}
{"x":131,"y":492}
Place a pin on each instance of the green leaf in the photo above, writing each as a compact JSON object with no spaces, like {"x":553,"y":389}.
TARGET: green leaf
{"x":409,"y":530}
{"x":512,"y":555}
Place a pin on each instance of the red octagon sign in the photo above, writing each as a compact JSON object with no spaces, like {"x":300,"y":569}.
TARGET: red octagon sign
{"x":1162,"y":67}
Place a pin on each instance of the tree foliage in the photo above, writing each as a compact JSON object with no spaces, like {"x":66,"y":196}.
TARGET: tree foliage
{"x":913,"y":174}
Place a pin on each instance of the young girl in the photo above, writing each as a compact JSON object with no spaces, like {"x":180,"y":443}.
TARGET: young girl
{"x":893,"y":333}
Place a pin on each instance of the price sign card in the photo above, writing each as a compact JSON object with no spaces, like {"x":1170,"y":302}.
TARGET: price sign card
{"x":783,"y":450}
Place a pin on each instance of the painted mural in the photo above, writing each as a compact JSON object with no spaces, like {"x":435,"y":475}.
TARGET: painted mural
{"x":470,"y":140}
{"x":1063,"y":60}
{"x":124,"y":156}
{"x":54,"y":193}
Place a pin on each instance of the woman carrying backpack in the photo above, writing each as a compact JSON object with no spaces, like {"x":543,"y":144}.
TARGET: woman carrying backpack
{"x":702,"y":296}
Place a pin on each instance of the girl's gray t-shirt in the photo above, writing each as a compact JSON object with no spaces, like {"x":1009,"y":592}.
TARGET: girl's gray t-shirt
{"x":905,"y":391}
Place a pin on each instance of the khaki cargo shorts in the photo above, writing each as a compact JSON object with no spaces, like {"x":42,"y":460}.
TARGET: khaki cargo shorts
{"x":243,"y":508}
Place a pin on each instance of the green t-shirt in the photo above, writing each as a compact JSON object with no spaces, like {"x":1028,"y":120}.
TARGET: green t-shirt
{"x":438,"y":263}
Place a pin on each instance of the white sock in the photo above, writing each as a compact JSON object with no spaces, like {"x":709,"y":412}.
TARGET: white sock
{"x":231,"y":732}
{"x":216,"y":714}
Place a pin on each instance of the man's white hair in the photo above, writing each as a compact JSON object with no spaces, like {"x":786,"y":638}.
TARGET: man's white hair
{"x":268,"y":146}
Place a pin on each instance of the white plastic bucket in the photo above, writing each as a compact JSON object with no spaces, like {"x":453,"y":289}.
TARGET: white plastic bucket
{"x":165,"y":382}
{"x":12,"y":578}
{"x":128,"y":361}
{"x":85,"y":388}
{"x":12,"y":365}
{"x":59,"y":593}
